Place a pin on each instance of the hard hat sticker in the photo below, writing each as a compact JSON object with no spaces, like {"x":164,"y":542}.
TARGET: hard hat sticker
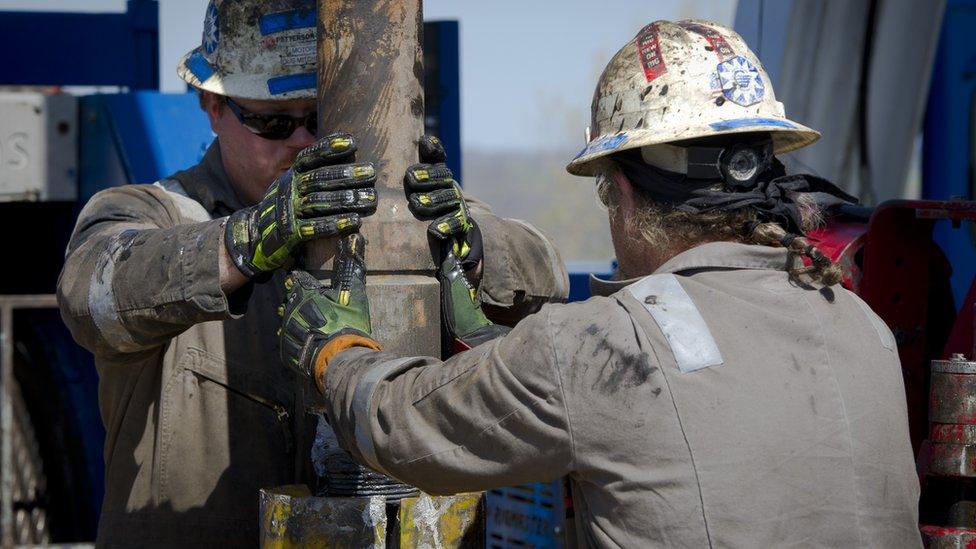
{"x":201,"y":69}
{"x":741,"y":82}
{"x":649,"y":52}
{"x":295,"y":32}
{"x":286,"y":21}
{"x":605,"y":143}
{"x":715,"y":39}
{"x":299,"y":54}
{"x":292,"y":82}
{"x":211,"y":30}
{"x":751,"y":123}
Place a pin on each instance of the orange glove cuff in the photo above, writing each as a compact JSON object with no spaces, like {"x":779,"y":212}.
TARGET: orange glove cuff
{"x":335,"y":346}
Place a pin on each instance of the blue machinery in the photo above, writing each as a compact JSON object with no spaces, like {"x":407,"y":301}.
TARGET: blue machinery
{"x":949,"y":132}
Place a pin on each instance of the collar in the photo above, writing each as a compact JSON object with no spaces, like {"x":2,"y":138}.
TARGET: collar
{"x":207,"y":183}
{"x":712,"y":255}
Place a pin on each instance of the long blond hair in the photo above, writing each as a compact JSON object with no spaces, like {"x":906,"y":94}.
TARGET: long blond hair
{"x":675,"y":231}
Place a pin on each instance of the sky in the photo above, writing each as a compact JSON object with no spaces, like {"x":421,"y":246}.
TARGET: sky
{"x":527,"y":68}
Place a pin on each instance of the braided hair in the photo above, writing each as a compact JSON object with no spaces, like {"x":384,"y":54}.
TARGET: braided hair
{"x":659,"y":224}
{"x":821,"y":269}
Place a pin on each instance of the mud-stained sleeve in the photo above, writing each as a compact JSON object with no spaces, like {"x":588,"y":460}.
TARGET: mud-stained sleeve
{"x":492,"y":416}
{"x":522,"y":268}
{"x":133,"y":278}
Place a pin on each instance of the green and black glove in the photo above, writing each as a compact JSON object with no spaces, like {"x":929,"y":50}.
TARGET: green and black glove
{"x":325,"y":193}
{"x":464,"y":320}
{"x":319,"y":323}
{"x":432,"y":193}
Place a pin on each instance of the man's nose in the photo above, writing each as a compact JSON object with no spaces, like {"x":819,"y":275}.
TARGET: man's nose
{"x":300,"y":138}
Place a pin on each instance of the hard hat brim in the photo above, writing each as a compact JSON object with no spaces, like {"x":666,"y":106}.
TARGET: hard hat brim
{"x":196,"y":71}
{"x":786,"y":134}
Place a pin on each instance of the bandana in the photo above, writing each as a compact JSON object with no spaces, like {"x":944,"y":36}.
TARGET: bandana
{"x":771,"y":197}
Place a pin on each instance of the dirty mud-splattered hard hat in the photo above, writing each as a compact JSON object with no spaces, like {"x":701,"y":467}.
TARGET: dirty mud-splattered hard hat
{"x":255,"y":49}
{"x":683,"y":80}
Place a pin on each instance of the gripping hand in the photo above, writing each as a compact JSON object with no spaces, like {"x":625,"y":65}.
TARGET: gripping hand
{"x":318,"y":323}
{"x":432,"y":193}
{"x":323,"y":194}
{"x":461,"y":307}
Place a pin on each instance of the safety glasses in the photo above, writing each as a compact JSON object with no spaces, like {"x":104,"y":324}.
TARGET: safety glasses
{"x":272,"y":126}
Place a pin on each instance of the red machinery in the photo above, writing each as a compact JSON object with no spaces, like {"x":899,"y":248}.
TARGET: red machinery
{"x":902,"y":274}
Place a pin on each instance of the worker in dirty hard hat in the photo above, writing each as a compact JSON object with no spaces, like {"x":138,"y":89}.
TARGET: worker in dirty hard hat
{"x":722,"y":393}
{"x":168,"y":285}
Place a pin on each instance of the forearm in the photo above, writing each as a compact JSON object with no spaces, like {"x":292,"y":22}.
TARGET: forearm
{"x":491,"y":416}
{"x":132,"y":287}
{"x":231,"y":278}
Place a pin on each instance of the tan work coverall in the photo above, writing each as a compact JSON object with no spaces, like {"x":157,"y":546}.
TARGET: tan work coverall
{"x":712,"y":404}
{"x":198,"y":415}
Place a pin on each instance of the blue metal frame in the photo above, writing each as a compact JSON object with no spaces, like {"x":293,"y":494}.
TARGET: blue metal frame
{"x":75,"y":381}
{"x":82,"y":49}
{"x":442,"y":88}
{"x":579,"y":276}
{"x":763,"y":24}
{"x":138,"y":137}
{"x":948,"y":147}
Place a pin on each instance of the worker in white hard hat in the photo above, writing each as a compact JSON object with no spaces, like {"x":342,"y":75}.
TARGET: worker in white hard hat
{"x":168,"y":286}
{"x":722,"y":394}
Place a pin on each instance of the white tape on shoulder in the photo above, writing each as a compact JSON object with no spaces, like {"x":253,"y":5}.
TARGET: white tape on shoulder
{"x":678,"y":318}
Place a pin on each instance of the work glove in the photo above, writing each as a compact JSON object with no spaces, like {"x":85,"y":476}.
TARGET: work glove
{"x":325,"y":193}
{"x":319,"y":323}
{"x":464,"y":320}
{"x":432,"y":193}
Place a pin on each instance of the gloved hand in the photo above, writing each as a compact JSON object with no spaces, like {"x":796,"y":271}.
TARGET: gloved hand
{"x":432,"y":193}
{"x":466,"y":323}
{"x":323,"y":194}
{"x":319,"y":323}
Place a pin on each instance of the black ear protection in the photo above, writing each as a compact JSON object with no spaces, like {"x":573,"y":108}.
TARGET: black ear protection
{"x":738,"y":165}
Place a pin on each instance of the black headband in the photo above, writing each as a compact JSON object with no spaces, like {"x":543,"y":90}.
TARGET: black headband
{"x":770,"y":195}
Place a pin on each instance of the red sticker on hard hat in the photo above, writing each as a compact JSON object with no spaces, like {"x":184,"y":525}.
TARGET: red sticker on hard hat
{"x":715,"y":39}
{"x":649,"y":52}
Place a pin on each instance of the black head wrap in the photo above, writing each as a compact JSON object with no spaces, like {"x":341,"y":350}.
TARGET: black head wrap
{"x":769,"y":196}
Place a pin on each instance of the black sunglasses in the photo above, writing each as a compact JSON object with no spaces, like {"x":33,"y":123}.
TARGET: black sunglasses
{"x":272,"y":126}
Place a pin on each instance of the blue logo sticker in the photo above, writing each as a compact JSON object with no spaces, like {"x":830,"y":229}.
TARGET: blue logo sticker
{"x":199,"y":66}
{"x":287,"y":20}
{"x":211,"y":30}
{"x":741,"y":82}
{"x":292,"y":82}
{"x":751,"y":122}
{"x":605,"y":143}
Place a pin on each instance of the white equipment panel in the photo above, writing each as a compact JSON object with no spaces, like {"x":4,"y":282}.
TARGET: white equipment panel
{"x":38,"y":147}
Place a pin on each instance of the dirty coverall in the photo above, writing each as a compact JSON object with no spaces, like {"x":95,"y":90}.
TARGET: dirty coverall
{"x":196,"y":418}
{"x":713,"y":403}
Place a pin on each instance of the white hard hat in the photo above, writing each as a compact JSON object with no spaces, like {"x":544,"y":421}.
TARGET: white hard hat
{"x":255,"y":49}
{"x":683,"y":80}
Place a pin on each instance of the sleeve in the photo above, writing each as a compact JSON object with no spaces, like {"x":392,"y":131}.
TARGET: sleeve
{"x":492,"y":416}
{"x":522,"y":268}
{"x":132,"y":279}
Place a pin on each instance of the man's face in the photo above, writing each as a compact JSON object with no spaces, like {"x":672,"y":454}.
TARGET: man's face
{"x":252,"y":162}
